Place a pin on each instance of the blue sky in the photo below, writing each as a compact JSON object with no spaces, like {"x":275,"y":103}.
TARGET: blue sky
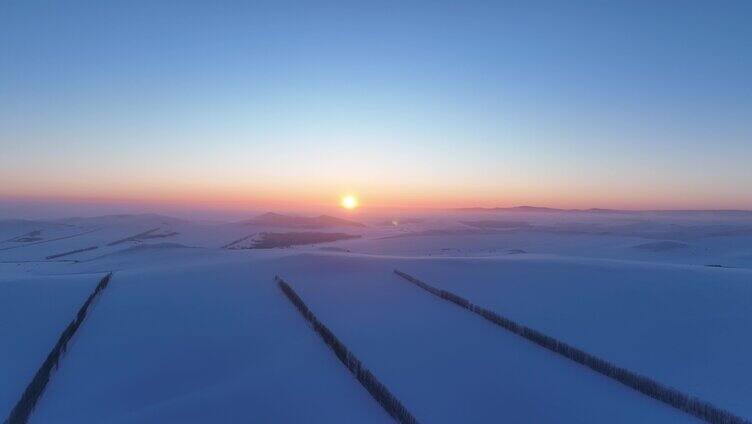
{"x":571,"y":104}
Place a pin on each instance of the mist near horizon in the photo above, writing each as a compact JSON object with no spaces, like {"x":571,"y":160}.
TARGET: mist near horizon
{"x":50,"y":210}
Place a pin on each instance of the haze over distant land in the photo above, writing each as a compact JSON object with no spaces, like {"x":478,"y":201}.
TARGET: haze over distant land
{"x":59,"y":209}
{"x":599,"y":210}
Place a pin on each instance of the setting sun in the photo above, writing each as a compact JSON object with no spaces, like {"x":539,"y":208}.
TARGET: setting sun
{"x":349,"y":202}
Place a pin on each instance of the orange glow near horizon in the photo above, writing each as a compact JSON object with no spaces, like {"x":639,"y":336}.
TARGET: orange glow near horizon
{"x":320,"y":196}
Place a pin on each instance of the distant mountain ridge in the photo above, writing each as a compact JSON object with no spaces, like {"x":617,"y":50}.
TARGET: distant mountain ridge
{"x":152,"y":218}
{"x":303,"y":222}
{"x":599,"y":210}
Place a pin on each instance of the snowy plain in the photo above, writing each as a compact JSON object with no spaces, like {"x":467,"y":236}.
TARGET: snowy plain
{"x":191,"y":330}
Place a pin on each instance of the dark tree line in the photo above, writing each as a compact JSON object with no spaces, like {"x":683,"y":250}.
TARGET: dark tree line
{"x":642,"y":384}
{"x":275,"y":240}
{"x":60,"y":255}
{"x":21,"y":412}
{"x":133,"y":237}
{"x":383,"y":396}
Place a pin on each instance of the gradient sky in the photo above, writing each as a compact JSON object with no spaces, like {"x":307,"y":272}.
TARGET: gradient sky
{"x":237,"y":104}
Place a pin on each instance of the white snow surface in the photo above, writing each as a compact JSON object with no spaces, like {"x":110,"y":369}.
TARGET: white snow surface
{"x":190,"y":332}
{"x":35,"y":310}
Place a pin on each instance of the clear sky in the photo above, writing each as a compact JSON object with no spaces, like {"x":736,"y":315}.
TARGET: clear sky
{"x":237,"y":104}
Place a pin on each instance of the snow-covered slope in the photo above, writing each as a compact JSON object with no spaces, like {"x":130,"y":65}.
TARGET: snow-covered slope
{"x":450,"y":366}
{"x":191,"y":330}
{"x":205,"y":343}
{"x":685,"y":326}
{"x":35,"y":310}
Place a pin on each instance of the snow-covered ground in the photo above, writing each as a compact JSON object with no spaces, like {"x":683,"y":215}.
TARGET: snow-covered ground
{"x":191,"y":331}
{"x":685,"y":326}
{"x":34,"y":311}
{"x":451,"y":366}
{"x":201,"y":343}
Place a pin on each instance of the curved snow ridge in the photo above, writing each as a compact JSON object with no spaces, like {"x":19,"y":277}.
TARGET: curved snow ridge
{"x":528,"y":257}
{"x":661,"y":246}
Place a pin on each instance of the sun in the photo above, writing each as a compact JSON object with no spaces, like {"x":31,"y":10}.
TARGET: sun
{"x":349,"y":202}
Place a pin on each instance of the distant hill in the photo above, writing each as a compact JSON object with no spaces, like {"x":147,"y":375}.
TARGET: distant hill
{"x":143,"y":218}
{"x":302,"y":222}
{"x":497,"y":225}
{"x":605,"y":211}
{"x":514,"y":209}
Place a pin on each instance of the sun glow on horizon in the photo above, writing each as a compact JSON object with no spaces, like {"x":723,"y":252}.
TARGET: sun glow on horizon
{"x":349,"y":202}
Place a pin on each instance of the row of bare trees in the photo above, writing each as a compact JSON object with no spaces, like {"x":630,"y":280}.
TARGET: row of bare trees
{"x":642,"y":384}
{"x":22,"y":410}
{"x":71,"y":252}
{"x":386,"y":399}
